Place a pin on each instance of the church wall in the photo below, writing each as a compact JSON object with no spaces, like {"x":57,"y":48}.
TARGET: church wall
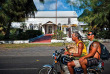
{"x":43,"y":29}
{"x":45,"y":20}
{"x":74,"y":21}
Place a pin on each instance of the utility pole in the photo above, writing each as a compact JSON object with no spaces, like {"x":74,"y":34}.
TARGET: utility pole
{"x":56,"y":19}
{"x":56,"y":12}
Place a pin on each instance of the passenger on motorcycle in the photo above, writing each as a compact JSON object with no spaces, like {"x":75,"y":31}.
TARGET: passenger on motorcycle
{"x":93,"y":56}
{"x":81,"y":52}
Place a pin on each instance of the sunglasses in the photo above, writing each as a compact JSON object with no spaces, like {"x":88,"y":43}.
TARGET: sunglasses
{"x":89,"y":34}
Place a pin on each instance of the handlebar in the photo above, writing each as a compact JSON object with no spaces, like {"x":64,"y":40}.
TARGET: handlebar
{"x":60,"y":52}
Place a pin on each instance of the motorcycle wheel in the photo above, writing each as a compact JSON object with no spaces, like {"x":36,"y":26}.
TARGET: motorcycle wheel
{"x":98,"y":72}
{"x":95,"y":72}
{"x":47,"y":70}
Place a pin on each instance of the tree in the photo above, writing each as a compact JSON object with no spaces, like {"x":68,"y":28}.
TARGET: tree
{"x":42,"y":1}
{"x":23,"y":26}
{"x":96,"y":14}
{"x":14,"y":11}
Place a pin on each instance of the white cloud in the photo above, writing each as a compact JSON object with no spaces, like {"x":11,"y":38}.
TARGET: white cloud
{"x":41,"y":7}
{"x":76,"y":2}
{"x":59,"y":4}
{"x":38,"y":5}
{"x":36,"y":1}
{"x":49,"y":0}
{"x":52,"y":6}
{"x":73,"y":0}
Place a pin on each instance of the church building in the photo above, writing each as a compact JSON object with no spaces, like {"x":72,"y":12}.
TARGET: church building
{"x":49,"y":21}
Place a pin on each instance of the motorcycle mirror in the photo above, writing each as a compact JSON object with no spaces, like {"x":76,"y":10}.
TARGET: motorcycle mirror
{"x":62,"y":50}
{"x":55,"y":51}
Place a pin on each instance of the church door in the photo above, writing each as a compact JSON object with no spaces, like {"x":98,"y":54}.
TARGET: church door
{"x":50,"y":29}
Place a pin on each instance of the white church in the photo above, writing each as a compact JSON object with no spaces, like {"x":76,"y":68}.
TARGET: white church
{"x":49,"y":21}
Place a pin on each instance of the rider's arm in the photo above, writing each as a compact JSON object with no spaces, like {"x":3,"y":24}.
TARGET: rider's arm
{"x":93,"y":48}
{"x":80,"y":48}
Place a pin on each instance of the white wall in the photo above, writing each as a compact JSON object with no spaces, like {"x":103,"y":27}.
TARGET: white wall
{"x":74,"y":21}
{"x":45,"y":20}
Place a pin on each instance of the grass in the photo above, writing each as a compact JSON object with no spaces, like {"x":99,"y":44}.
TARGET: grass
{"x":14,"y":46}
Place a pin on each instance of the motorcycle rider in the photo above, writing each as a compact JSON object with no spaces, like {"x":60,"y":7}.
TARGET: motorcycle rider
{"x":93,"y":56}
{"x":81,"y":51}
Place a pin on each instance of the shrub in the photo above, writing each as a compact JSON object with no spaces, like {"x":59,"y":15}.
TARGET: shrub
{"x":23,"y":35}
{"x":58,"y":35}
{"x":13,"y":37}
{"x":33,"y":33}
{"x":29,"y":34}
{"x":103,"y":34}
{"x":1,"y":36}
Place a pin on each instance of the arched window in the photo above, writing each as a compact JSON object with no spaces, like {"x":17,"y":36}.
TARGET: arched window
{"x":59,"y":26}
{"x":50,"y":29}
{"x":31,"y":26}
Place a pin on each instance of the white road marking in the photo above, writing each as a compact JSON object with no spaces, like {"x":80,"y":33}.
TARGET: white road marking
{"x":19,"y":69}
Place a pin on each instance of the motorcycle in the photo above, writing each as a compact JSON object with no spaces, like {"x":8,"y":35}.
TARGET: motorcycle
{"x":60,"y":63}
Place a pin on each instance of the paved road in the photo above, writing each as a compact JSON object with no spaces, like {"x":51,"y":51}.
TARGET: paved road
{"x":29,"y":64}
{"x":34,"y":51}
{"x":29,"y":60}
{"x":22,"y":64}
{"x":25,"y":61}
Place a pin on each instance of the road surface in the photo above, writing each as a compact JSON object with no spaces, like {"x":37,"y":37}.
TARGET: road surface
{"x":30,"y":60}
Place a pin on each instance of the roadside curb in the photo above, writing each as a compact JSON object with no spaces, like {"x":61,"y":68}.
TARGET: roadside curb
{"x":54,"y":41}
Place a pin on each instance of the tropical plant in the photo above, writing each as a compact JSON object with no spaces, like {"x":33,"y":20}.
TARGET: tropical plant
{"x":14,"y":11}
{"x":96,"y":14}
{"x":58,"y":34}
{"x":23,"y":26}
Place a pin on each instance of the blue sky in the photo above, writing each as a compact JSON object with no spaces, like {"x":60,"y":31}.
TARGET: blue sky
{"x":62,"y":5}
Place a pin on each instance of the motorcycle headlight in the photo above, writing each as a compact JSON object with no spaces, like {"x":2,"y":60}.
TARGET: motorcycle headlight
{"x":54,"y":56}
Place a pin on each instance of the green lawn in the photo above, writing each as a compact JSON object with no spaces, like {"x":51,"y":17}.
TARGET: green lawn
{"x":10,"y":46}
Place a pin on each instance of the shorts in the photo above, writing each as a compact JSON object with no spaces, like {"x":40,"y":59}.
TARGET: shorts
{"x":92,"y":62}
{"x":77,"y":64}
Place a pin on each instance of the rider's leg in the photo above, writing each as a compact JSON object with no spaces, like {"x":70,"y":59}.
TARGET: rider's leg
{"x":84,"y":65}
{"x":70,"y":67}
